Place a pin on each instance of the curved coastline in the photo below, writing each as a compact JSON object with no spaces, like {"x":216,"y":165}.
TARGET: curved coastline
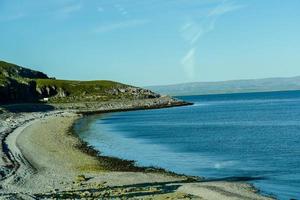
{"x":240,"y":183}
{"x":41,"y":165}
{"x":118,"y":164}
{"x":243,"y":186}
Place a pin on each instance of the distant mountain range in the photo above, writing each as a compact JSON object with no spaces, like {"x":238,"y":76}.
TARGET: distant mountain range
{"x":225,"y":87}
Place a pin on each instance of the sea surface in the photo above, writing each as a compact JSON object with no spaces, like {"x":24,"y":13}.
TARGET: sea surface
{"x":253,"y":137}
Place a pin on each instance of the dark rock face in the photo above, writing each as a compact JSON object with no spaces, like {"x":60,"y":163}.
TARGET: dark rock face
{"x":17,"y":84}
{"x":18,"y":92}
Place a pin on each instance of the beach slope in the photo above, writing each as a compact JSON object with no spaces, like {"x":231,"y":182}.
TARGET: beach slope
{"x":50,"y":162}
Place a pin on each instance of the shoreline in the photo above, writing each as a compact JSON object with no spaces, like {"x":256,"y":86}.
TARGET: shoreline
{"x":189,"y":178}
{"x":119,"y":183}
{"x":39,"y":174}
{"x":179,"y":104}
{"x":120,"y":164}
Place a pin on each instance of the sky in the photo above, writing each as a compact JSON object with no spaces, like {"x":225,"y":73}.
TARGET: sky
{"x":153,"y":42}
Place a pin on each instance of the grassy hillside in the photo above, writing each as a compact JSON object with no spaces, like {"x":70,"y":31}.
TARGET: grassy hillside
{"x":14,"y":71}
{"x":18,"y":84}
{"x":3,"y":79}
{"x":87,"y":91}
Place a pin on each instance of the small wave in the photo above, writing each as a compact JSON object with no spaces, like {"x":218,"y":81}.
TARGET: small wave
{"x":224,"y":164}
{"x":200,"y":104}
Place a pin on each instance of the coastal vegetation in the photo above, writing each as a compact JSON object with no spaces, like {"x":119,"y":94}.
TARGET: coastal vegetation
{"x":19,"y":84}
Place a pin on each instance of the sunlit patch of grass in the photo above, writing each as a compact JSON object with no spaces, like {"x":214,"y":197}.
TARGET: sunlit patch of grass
{"x":82,"y":91}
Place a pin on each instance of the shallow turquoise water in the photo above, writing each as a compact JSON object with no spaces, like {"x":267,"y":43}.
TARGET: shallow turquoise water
{"x":255,"y":137}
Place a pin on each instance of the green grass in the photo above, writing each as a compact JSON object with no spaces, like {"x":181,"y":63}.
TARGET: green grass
{"x":79,"y":87}
{"x":7,"y":68}
{"x":83,"y":91}
{"x":3,"y":80}
{"x":15,"y":71}
{"x":59,"y":91}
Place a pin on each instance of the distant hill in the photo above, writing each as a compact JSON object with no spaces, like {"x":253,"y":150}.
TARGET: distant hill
{"x":235,"y":86}
{"x":19,"y":84}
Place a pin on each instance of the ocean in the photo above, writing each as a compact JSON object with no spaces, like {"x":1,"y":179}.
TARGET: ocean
{"x":253,"y":137}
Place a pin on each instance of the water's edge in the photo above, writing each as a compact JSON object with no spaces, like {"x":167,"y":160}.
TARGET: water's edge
{"x":120,"y":164}
{"x":124,"y":163}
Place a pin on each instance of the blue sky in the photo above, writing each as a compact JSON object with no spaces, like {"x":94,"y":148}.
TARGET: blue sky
{"x":150,"y":42}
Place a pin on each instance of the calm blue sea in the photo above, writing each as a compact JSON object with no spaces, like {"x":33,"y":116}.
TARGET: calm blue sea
{"x":255,"y":136}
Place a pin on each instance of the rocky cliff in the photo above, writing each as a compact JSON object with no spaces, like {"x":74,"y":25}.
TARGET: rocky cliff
{"x":17,"y":83}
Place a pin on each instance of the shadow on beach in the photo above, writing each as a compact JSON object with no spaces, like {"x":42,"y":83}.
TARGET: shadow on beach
{"x":18,"y":108}
{"x":134,"y":190}
{"x":234,"y":179}
{"x":116,"y":192}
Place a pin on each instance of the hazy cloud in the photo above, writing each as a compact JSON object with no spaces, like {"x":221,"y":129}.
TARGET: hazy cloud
{"x":100,"y":9}
{"x":121,"y":9}
{"x":71,"y":8}
{"x":188,"y":62}
{"x":12,"y":17}
{"x":224,"y":8}
{"x":120,"y":25}
{"x":194,"y":28}
{"x":191,"y":31}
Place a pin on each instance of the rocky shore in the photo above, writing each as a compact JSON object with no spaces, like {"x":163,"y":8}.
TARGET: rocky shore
{"x":122,"y":105}
{"x":16,"y":115}
{"x":42,"y":159}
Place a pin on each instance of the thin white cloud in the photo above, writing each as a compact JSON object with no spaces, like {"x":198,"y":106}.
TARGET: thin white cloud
{"x":120,"y":25}
{"x":27,"y":9}
{"x":224,"y":8}
{"x":71,"y":8}
{"x":192,"y":30}
{"x":121,"y":9}
{"x":188,"y":63}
